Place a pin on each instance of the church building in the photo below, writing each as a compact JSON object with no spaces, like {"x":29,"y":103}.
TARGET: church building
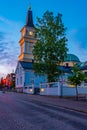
{"x":25,"y":76}
{"x":26,"y":80}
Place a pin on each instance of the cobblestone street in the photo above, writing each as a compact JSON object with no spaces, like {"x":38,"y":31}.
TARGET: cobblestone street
{"x":30,"y":112}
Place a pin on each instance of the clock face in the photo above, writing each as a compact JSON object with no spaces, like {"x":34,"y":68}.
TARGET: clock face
{"x":30,"y":33}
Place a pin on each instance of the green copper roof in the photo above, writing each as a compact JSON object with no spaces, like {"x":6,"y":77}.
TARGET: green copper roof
{"x":71,"y":57}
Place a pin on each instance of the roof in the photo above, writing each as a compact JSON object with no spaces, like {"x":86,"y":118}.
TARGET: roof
{"x":26,"y":65}
{"x":29,"y":20}
{"x":83,"y":67}
{"x":65,"y":69}
{"x":71,"y":57}
{"x":29,"y":65}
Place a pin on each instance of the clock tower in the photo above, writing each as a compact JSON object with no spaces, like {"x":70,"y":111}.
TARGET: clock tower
{"x":27,"y":40}
{"x":24,"y":73}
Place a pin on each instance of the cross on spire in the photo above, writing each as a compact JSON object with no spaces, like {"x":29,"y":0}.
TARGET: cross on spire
{"x":29,"y":20}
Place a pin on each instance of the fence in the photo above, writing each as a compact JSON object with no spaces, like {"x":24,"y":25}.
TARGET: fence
{"x":62,"y":89}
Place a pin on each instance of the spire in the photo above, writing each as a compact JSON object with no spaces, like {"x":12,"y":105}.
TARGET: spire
{"x":29,"y":20}
{"x":29,"y":7}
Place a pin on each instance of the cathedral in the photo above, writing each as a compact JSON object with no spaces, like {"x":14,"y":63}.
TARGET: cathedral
{"x":25,"y":76}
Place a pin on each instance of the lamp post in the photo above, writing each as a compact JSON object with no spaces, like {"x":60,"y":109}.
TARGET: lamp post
{"x":62,"y":80}
{"x":77,"y":87}
{"x":76,"y":83}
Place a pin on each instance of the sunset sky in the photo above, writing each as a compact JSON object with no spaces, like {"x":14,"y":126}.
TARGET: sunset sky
{"x":13,"y":17}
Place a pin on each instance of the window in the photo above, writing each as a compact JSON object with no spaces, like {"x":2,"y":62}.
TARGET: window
{"x":28,"y":47}
{"x":20,"y":80}
{"x":17,"y":70}
{"x":17,"y":81}
{"x":20,"y":70}
{"x":85,"y":73}
{"x":27,"y":32}
{"x":67,"y":64}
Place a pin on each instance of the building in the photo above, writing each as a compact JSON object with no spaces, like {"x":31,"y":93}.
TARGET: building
{"x":70,"y":60}
{"x":10,"y":80}
{"x":25,"y":76}
{"x":66,"y":66}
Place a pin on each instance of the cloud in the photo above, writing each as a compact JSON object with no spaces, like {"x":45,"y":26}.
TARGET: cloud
{"x":9,"y":25}
{"x":9,"y":51}
{"x":1,"y":35}
{"x":77,"y":43}
{"x":9,"y":47}
{"x":81,"y":35}
{"x":5,"y":20}
{"x":2,"y":42}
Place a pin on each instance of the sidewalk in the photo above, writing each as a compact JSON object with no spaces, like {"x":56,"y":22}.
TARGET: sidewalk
{"x":69,"y":103}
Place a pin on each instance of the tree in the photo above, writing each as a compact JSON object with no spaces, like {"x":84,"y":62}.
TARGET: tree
{"x":76,"y":78}
{"x":13,"y":84}
{"x":1,"y":86}
{"x":51,"y":48}
{"x":1,"y":83}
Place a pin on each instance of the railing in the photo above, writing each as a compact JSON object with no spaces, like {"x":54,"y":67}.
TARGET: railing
{"x":49,"y":85}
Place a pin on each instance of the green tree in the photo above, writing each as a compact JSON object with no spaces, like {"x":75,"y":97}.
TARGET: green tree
{"x":13,"y":85}
{"x":76,"y":78}
{"x":51,"y":48}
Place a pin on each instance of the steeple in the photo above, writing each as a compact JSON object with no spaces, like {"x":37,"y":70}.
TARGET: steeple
{"x":27,"y":40}
{"x":29,"y":20}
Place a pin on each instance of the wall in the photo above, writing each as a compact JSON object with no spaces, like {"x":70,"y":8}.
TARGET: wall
{"x":63,"y":90}
{"x":28,"y":90}
{"x":49,"y":91}
{"x":19,"y":75}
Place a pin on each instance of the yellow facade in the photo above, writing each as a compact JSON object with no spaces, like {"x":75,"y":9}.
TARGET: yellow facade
{"x":27,"y":43}
{"x":69,"y":64}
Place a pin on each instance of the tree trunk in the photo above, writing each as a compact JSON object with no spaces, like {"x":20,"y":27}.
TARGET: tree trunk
{"x":76,"y":93}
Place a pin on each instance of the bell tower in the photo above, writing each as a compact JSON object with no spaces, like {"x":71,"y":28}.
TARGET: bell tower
{"x":27,"y":40}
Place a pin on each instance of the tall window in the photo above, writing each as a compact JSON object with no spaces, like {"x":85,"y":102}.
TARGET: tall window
{"x":20,"y":80}
{"x":17,"y":81}
{"x":31,"y":48}
{"x":20,"y":70}
{"x":67,"y":64}
{"x":28,"y":47}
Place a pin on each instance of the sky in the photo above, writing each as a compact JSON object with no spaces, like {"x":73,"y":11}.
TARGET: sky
{"x":13,"y":17}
